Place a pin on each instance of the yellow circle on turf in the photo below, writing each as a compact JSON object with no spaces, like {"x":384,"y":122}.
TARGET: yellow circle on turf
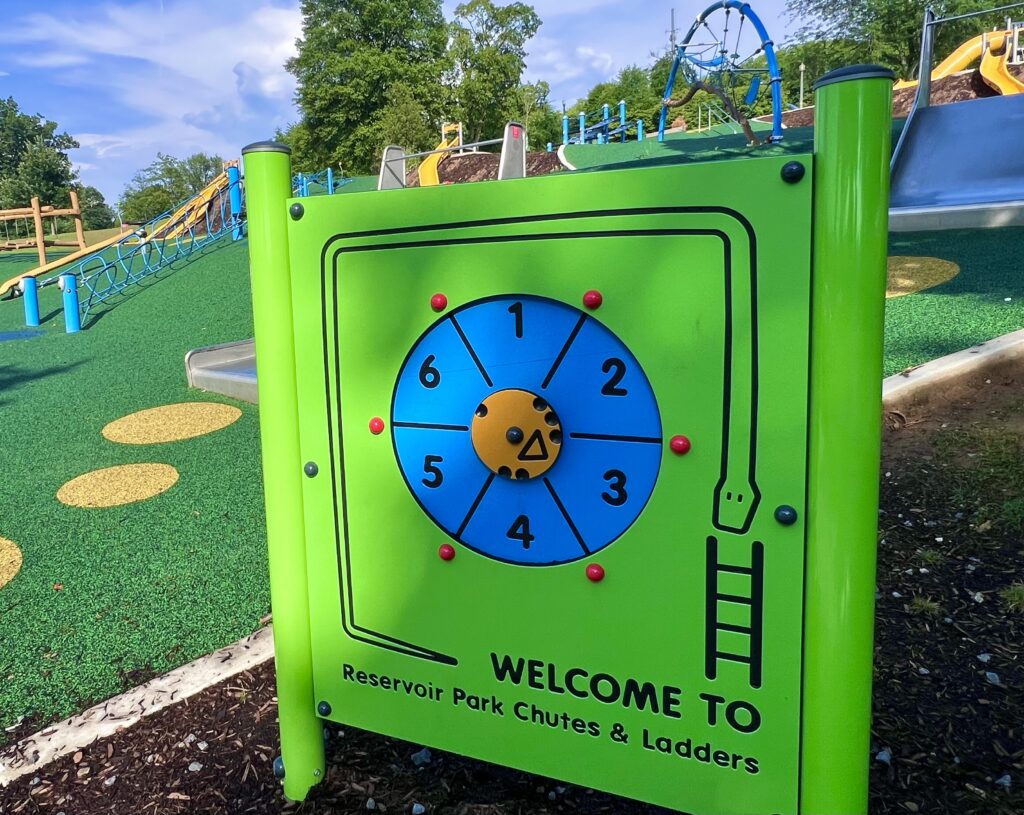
{"x":516,"y":434}
{"x":910,"y":274}
{"x":10,"y":561}
{"x":115,"y":486}
{"x":184,"y":420}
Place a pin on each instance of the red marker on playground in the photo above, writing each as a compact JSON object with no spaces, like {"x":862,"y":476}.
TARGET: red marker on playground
{"x":595,"y":572}
{"x":446,"y":551}
{"x":680,"y":445}
{"x":593,"y":299}
{"x":439,"y":302}
{"x":376,"y":425}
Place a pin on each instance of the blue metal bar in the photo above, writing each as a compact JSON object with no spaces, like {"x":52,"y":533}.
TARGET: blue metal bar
{"x":31,"y":297}
{"x":235,"y":191}
{"x":565,"y":129}
{"x":72,"y":320}
{"x":774,"y":73}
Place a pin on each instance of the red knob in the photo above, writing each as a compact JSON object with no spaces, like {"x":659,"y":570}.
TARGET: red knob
{"x":680,"y":445}
{"x":446,"y":552}
{"x":593,"y":299}
{"x":376,"y":425}
{"x":595,"y":572}
{"x":439,"y":302}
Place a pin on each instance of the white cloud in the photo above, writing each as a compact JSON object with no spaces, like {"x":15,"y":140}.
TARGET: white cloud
{"x":189,"y":76}
{"x":51,"y":59}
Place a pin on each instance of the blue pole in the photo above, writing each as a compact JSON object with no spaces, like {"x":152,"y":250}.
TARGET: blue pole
{"x":330,"y":181}
{"x":31,"y":295}
{"x":565,"y":129}
{"x":551,"y":147}
{"x":639,"y":129}
{"x":583,"y":128}
{"x":235,"y":198}
{"x":72,"y":319}
{"x":605,"y":112}
{"x":622,"y":119}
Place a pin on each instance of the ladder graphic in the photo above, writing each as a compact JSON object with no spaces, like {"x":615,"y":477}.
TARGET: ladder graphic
{"x":753,"y":599}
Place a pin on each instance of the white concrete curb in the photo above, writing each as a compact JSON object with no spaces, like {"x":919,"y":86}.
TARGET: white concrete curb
{"x":561,"y":157}
{"x":123,"y":711}
{"x":915,"y":386}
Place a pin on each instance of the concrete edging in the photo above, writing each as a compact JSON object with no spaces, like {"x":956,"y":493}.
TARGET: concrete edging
{"x":562,"y":159}
{"x":916,"y":386}
{"x":123,"y":711}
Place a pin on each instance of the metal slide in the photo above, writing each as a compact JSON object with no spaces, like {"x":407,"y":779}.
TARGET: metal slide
{"x":229,"y":369}
{"x":958,"y":165}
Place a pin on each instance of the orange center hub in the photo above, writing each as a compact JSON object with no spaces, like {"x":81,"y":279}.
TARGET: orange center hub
{"x":516,"y":434}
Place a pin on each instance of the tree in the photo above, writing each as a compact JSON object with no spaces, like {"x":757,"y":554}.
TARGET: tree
{"x":96,"y":213}
{"x":488,"y":51}
{"x":356,"y":59}
{"x":165,"y":183}
{"x":543,"y":124}
{"x":18,"y":131}
{"x":43,"y":171}
{"x":885,"y":31}
{"x":144,"y":204}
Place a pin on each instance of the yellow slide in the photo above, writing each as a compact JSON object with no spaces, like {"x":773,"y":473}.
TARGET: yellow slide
{"x":192,"y":211}
{"x":994,"y":68}
{"x":428,"y":167}
{"x":959,"y":60}
{"x":994,"y":50}
{"x":6,"y":286}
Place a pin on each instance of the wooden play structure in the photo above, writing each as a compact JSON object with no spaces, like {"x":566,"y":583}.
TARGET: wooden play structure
{"x":37,"y":212}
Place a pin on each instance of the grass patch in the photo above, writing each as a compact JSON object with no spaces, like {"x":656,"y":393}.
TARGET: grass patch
{"x":1013,"y":596}
{"x":924,"y":606}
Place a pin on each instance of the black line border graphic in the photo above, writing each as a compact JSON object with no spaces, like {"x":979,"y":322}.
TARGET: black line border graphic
{"x":333,"y":408}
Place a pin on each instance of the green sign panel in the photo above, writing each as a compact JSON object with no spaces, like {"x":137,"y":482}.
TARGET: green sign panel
{"x":551,"y":476}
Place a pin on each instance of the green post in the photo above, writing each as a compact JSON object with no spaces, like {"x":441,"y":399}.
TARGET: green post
{"x":268,"y":186}
{"x":851,"y":206}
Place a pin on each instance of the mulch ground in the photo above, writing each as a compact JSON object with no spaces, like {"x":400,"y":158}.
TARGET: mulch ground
{"x":948,"y":731}
{"x":956,"y":88}
{"x":459,"y":169}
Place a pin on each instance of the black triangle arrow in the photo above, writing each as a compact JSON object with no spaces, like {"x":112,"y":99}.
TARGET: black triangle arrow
{"x":537,"y":439}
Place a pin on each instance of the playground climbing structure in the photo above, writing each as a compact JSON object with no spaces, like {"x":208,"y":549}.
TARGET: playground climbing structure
{"x":601,"y":127}
{"x":37,"y":213}
{"x":728,"y":49}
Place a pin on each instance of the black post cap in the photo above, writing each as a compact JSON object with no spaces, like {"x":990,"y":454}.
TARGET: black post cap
{"x":268,"y":146}
{"x":851,"y":72}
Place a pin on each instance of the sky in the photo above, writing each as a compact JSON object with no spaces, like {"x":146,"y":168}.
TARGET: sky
{"x":131,"y":78}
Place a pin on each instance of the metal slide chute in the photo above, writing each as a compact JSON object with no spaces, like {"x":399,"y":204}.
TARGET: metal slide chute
{"x":960,"y":165}
{"x":721,"y":56}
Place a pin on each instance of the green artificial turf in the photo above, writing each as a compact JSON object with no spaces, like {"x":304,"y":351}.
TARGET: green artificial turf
{"x":147,"y":586}
{"x":970,"y":308}
{"x":679,"y":147}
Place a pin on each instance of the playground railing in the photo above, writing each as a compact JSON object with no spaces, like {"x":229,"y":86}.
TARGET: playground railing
{"x":602,"y":127}
{"x":170,"y":237}
{"x":710,"y":115}
{"x":325,"y":182}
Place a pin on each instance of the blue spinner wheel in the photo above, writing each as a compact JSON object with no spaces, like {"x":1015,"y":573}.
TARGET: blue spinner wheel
{"x":526,"y":430}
